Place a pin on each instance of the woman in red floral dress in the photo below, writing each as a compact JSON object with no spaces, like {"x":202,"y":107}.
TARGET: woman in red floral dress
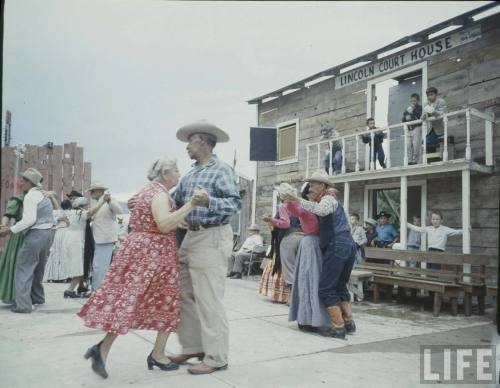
{"x":141,"y":289}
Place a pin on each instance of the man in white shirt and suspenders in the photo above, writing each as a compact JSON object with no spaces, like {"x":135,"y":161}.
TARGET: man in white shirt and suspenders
{"x":36,"y":224}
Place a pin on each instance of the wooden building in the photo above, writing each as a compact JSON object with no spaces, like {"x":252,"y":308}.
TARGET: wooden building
{"x":461,"y":58}
{"x":63,"y":168}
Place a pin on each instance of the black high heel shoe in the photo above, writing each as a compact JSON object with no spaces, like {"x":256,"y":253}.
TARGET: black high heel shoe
{"x":166,"y":367}
{"x":98,"y":365}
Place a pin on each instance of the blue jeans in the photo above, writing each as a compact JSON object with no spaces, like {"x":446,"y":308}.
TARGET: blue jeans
{"x":338,"y":260}
{"x":336,"y":161}
{"x":433,"y":138}
{"x":101,"y":262}
{"x":380,"y":155}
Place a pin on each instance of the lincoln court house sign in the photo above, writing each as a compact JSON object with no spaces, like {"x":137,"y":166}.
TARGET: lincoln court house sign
{"x":409,"y":57}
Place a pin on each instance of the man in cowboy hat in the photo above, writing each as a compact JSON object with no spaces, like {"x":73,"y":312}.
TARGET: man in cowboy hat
{"x":237,"y":259}
{"x":203,"y":330}
{"x":387,"y":234}
{"x":36,"y":224}
{"x":104,"y":230}
{"x":338,"y":248}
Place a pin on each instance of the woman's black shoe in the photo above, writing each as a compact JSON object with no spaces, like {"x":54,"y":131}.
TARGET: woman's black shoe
{"x":167,"y":367}
{"x":70,"y":294}
{"x":98,"y":365}
{"x":308,"y":328}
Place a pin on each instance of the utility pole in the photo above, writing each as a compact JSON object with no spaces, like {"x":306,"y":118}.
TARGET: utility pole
{"x":7,"y":133}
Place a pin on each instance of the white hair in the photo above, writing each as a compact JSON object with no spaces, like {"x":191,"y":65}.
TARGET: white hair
{"x":159,"y":166}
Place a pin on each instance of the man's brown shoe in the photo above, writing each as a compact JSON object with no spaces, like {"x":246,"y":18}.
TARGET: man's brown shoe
{"x":204,"y":369}
{"x":182,"y":358}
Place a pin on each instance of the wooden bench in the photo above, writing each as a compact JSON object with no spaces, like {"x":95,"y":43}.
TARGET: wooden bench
{"x":448,"y":281}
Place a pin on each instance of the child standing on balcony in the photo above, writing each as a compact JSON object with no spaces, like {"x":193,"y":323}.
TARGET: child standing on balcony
{"x":335,"y":153}
{"x":437,"y":234}
{"x":435,"y":108}
{"x":378,"y":150}
{"x":412,"y":113}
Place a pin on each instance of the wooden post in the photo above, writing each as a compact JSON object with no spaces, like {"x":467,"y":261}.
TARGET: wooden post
{"x":343,"y":155}
{"x":466,"y":219}
{"x":404,"y":210}
{"x":347,"y":187}
{"x":467,"y":144}
{"x":424,"y":141}
{"x":405,"y":151}
{"x":319,"y":158}
{"x":372,"y":150}
{"x":357,"y":153}
{"x":388,"y":161}
{"x":445,"y":139}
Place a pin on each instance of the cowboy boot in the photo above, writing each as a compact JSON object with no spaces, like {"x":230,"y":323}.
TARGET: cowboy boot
{"x":350,"y":326}
{"x":338,"y":327}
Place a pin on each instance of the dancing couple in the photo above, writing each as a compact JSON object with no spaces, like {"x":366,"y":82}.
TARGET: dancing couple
{"x":155,"y":284}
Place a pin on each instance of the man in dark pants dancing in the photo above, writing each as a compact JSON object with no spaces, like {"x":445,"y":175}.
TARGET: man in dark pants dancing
{"x":339,"y":252}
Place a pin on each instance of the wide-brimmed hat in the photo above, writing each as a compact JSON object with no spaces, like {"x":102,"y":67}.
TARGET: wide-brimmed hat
{"x":383,"y":214}
{"x":201,"y":126}
{"x":286,"y":188}
{"x":371,"y":221}
{"x":97,"y":186}
{"x":254,"y":227}
{"x":34,"y":176}
{"x":80,"y":202}
{"x":320,"y":176}
{"x":74,"y":193}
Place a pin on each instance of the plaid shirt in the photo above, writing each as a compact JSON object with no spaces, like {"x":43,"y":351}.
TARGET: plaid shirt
{"x":219,"y":181}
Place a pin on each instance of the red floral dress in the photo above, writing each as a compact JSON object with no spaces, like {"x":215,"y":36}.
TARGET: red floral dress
{"x":142,"y":287}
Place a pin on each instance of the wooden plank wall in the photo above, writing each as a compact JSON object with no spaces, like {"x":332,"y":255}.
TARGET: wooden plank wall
{"x":473,"y":81}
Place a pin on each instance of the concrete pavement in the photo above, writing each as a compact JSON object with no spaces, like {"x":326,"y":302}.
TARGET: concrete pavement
{"x":45,"y":348}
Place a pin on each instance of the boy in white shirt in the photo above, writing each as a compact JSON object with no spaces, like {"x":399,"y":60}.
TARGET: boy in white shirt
{"x":437,"y":234}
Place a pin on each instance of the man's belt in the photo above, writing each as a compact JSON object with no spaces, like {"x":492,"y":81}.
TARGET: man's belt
{"x":196,"y":228}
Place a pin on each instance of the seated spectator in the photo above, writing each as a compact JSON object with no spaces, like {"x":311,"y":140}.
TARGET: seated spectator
{"x":359,"y":236}
{"x":387,"y":234}
{"x":414,"y":240}
{"x":371,"y":232}
{"x":434,"y":108}
{"x":237,"y":259}
{"x":437,"y":234}
{"x":414,"y":144}
{"x":378,"y":150}
{"x":335,"y":152}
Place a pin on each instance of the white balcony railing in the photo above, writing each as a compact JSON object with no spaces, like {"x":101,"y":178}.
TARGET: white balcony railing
{"x":354,"y":160}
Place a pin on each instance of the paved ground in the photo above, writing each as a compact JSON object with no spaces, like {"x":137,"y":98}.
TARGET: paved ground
{"x":45,"y":349}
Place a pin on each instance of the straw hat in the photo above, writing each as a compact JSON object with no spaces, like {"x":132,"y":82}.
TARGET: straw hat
{"x":97,"y":186}
{"x":254,"y":227}
{"x":320,"y":176}
{"x":34,"y":176}
{"x":201,"y":126}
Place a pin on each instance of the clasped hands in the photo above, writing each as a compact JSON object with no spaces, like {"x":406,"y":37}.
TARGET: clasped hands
{"x":200,"y":197}
{"x":4,"y":231}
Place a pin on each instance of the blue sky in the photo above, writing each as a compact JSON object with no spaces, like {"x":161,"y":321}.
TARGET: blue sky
{"x":119,"y":77}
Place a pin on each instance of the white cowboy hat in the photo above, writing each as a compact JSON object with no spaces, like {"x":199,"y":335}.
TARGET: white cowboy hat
{"x":201,"y":126}
{"x":286,"y":188}
{"x":96,"y":186}
{"x":34,"y":176}
{"x":254,"y":227}
{"x":371,"y":221}
{"x":320,"y":176}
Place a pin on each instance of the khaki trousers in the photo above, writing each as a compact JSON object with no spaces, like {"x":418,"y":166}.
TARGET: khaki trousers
{"x":204,"y":326}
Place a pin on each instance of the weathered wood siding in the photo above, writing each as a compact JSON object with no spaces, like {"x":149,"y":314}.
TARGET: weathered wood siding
{"x":474,"y":81}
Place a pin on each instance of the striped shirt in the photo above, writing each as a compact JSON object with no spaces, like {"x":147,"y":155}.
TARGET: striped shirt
{"x":219,"y":181}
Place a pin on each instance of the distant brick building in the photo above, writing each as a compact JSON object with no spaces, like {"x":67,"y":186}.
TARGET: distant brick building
{"x":63,"y":168}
